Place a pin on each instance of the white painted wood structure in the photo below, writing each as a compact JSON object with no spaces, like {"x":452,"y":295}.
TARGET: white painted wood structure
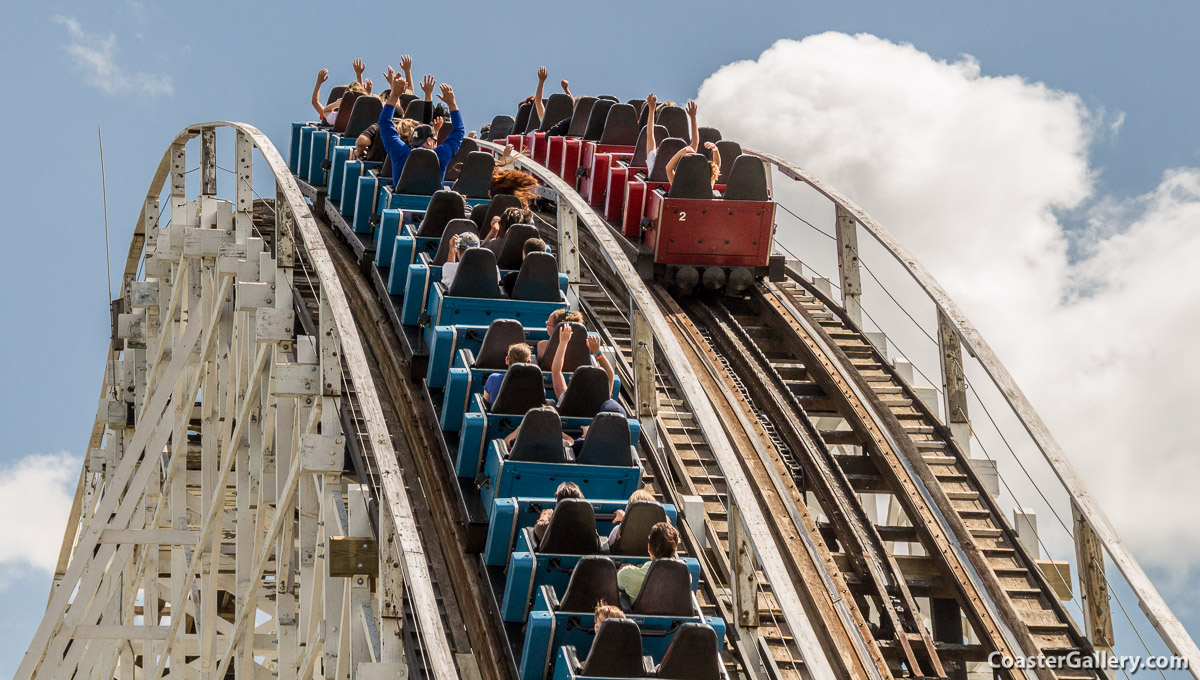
{"x":201,"y":534}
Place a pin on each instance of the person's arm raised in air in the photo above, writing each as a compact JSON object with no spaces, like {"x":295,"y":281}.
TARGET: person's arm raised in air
{"x":427,"y":84}
{"x":322,"y":76}
{"x":448,"y":148}
{"x":556,"y":372}
{"x":691,"y":112}
{"x":358,"y":71}
{"x":566,"y":87}
{"x":593,"y":344}
{"x":716,"y":157}
{"x":651,"y":103}
{"x":537,"y":96}
{"x":675,"y":160}
{"x":396,"y":148}
{"x":406,"y":67}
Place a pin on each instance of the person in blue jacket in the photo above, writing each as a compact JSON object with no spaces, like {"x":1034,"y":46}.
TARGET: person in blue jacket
{"x":424,"y":136}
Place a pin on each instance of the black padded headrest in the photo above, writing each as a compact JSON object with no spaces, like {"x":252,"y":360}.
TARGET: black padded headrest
{"x":635,"y":527}
{"x":585,"y":394}
{"x":524,"y":111}
{"x":538,"y":278}
{"x":693,"y":177}
{"x":666,"y":591}
{"x":609,"y":98}
{"x":521,"y":390}
{"x":386,"y":170}
{"x":455,"y":166}
{"x":572,"y":529}
{"x":667,"y":148}
{"x":416,"y":109}
{"x":406,"y":98}
{"x":443,"y":207}
{"x":539,"y":439}
{"x":607,"y":442}
{"x":476,"y":175}
{"x":335,"y":94}
{"x":458,"y":226}
{"x":675,"y":120}
{"x":692,"y":655}
{"x":501,"y":334}
{"x":708,"y":134}
{"x":593,"y":580}
{"x":366,"y":111}
{"x":495,"y":207}
{"x":345,"y":111}
{"x":747,"y":180}
{"x":478,"y":212}
{"x":639,"y":149}
{"x":616,"y":651}
{"x":501,"y":128}
{"x":637,"y":105}
{"x":533,"y":124}
{"x":596,"y":118}
{"x":729,"y":150}
{"x":620,"y":127}
{"x":476,"y":275}
{"x":579,"y":118}
{"x":509,"y":254}
{"x":558,"y":109}
{"x":422,"y":174}
{"x":577,"y":353}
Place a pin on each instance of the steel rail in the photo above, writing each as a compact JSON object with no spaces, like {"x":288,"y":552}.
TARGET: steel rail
{"x":1169,"y":628}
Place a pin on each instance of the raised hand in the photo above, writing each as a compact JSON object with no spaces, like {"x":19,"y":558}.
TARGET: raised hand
{"x":390,"y":76}
{"x":689,"y":149}
{"x":358,"y":68}
{"x":691,"y":109}
{"x":543,"y":74}
{"x":405,"y":62}
{"x":566,"y":85}
{"x":437,"y":125}
{"x":427,"y":86}
{"x":369,"y":85}
{"x":564,"y":336}
{"x":447,"y":95}
{"x":322,"y":75}
{"x":593,"y":343}
{"x":651,"y":100}
{"x":710,"y":146}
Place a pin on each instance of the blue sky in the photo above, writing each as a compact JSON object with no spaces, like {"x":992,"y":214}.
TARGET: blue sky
{"x":169,"y":65}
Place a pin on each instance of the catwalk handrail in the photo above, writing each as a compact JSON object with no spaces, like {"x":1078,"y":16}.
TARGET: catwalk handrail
{"x":1160,"y":615}
{"x":395,"y":499}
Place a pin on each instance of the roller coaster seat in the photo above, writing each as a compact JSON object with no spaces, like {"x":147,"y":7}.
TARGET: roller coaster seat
{"x":450,"y":341}
{"x":475,"y":176}
{"x":510,"y":515}
{"x":520,"y":391}
{"x":577,"y":353}
{"x":507,"y":476}
{"x":501,"y":128}
{"x":453,"y":169}
{"x":694,"y":654}
{"x":616,"y":653}
{"x":734,"y":231}
{"x":415,"y":109}
{"x":509,"y":249}
{"x":537,"y":279}
{"x":447,"y":307}
{"x":529,"y":570}
{"x":693,"y":178}
{"x":444,"y":206}
{"x":495,"y":208}
{"x":666,"y":591}
{"x":639,"y":187}
{"x":480,"y":426}
{"x":607,"y":441}
{"x":521,"y":121}
{"x":586,"y":392}
{"x":621,"y":170}
{"x":635,"y":528}
{"x":729,"y":149}
{"x":553,"y":624}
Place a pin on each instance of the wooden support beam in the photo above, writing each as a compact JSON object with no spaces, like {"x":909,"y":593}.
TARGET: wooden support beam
{"x":1093,"y":585}
{"x":208,"y":161}
{"x":954,"y":383}
{"x":848,"y":265}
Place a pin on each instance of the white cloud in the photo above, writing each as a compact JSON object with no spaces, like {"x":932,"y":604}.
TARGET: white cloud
{"x":972,"y":173}
{"x":96,"y":55}
{"x":35,"y":498}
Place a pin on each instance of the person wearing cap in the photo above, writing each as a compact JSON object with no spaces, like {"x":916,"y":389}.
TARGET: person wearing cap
{"x":459,"y":243}
{"x":424,"y":136}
